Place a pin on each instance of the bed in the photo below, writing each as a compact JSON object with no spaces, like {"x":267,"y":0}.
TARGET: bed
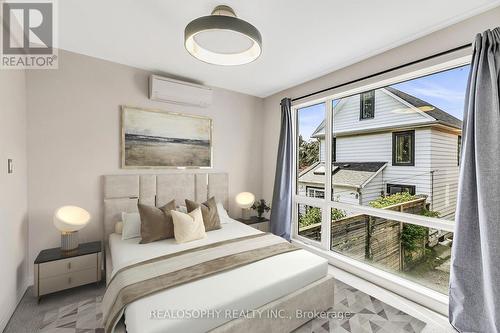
{"x":292,"y":280}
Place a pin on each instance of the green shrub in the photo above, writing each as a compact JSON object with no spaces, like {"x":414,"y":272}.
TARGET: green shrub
{"x":392,"y":199}
{"x":337,"y":214}
{"x":311,"y":216}
{"x":413,"y":236}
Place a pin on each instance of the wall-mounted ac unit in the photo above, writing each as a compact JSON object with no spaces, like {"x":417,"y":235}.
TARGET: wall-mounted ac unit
{"x":167,"y":90}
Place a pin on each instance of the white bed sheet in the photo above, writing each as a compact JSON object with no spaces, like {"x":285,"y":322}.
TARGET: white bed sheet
{"x":247,"y":287}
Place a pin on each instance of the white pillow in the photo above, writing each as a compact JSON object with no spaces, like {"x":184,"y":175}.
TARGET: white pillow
{"x":221,"y":211}
{"x":131,"y":225}
{"x":119,"y":227}
{"x":188,"y":227}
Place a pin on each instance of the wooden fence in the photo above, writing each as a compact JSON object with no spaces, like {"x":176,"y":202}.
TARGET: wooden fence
{"x":365,"y":237}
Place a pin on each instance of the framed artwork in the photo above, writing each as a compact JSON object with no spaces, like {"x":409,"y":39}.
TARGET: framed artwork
{"x":157,"y":139}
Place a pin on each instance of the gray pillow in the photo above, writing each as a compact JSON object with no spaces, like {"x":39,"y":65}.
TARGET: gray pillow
{"x":156,"y":223}
{"x":211,"y":218}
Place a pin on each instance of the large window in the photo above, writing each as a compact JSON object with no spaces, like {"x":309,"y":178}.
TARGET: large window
{"x":383,"y":192}
{"x":403,"y":148}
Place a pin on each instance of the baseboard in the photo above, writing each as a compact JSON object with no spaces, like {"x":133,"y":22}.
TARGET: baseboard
{"x":4,"y":320}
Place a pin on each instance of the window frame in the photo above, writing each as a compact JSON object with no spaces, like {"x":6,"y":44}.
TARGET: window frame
{"x":459,"y":149}
{"x":395,"y":135}
{"x":413,"y":188}
{"x":406,"y":288}
{"x":362,"y":105}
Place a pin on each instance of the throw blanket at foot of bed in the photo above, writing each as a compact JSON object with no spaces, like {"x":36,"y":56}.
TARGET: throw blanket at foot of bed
{"x":154,"y":275}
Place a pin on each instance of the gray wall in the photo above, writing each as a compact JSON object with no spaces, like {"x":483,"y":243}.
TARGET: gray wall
{"x":74,"y":138}
{"x":13,"y":192}
{"x":445,"y":39}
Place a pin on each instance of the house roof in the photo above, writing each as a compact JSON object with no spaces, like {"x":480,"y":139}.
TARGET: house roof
{"x":435,"y":112}
{"x":429,"y":109}
{"x":350,"y":174}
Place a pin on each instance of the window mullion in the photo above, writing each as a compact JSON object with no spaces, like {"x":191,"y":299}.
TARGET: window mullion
{"x":326,"y":216}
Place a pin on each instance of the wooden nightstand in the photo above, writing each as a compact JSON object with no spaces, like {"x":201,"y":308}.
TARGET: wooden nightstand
{"x":56,"y":270}
{"x":260,"y":224}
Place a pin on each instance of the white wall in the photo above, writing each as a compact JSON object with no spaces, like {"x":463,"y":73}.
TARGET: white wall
{"x":13,"y":192}
{"x":445,"y":39}
{"x":74,"y":138}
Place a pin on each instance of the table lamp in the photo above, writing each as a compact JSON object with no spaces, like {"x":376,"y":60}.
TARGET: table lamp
{"x":70,"y":219}
{"x":245,"y":200}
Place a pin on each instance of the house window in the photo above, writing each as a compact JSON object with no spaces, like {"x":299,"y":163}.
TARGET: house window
{"x":334,"y":149}
{"x":315,"y":192}
{"x":398,"y":188}
{"x":459,"y":149}
{"x":367,"y":109}
{"x":403,"y":148}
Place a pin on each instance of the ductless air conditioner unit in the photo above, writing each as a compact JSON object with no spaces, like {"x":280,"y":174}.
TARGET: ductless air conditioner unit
{"x":167,"y":90}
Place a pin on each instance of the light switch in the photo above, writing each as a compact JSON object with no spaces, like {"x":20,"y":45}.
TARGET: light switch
{"x":10,"y":168}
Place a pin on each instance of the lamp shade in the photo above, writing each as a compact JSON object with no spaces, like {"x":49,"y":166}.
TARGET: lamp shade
{"x":245,"y":200}
{"x":222,"y":38}
{"x":71,"y":218}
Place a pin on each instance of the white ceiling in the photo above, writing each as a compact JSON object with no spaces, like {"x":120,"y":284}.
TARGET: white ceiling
{"x":302,"y":39}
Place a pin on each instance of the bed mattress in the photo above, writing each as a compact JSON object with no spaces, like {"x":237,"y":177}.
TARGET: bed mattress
{"x":202,"y":305}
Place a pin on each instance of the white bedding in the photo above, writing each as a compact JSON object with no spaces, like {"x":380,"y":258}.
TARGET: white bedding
{"x":247,"y":287}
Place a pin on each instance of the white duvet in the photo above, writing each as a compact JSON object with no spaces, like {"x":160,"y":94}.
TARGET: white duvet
{"x":247,"y":287}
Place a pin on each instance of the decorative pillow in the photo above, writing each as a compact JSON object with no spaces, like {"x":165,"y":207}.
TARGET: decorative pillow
{"x":156,"y":223}
{"x":208,"y":211}
{"x":223,"y":216}
{"x":182,"y":209}
{"x":118,"y":227}
{"x":188,"y":227}
{"x":131,"y":225}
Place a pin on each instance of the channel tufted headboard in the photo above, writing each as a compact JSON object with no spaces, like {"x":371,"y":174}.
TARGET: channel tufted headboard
{"x":121,"y":192}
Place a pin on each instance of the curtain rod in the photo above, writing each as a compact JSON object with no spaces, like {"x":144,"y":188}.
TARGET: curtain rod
{"x":385,"y":71}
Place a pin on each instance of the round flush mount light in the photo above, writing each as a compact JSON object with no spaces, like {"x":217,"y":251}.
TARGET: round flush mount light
{"x":222,"y":38}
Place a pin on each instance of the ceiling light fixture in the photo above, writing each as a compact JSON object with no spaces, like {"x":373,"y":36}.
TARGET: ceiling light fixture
{"x":222,"y":38}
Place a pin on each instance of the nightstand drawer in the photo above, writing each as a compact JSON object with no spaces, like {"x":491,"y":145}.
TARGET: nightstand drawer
{"x":69,"y":280}
{"x":59,"y":267}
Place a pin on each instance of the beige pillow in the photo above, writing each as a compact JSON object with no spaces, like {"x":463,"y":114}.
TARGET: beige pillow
{"x":188,"y":227}
{"x":209,"y":212}
{"x":156,"y":223}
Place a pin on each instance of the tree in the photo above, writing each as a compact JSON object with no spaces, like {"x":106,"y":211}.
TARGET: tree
{"x":308,"y":152}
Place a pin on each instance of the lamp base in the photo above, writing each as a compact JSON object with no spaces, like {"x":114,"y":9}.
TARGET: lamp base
{"x":69,"y":241}
{"x":245,"y":213}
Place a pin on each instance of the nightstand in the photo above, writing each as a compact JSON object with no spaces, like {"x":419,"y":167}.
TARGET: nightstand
{"x":261,"y":224}
{"x":56,"y":270}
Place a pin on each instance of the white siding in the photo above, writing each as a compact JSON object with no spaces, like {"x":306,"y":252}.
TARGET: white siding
{"x":389,"y":111}
{"x":445,"y":166}
{"x":378,"y":148}
{"x":345,"y":195}
{"x":373,"y":189}
{"x":322,"y":151}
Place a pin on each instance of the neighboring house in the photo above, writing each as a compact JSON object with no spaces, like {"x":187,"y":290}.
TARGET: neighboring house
{"x":386,"y":141}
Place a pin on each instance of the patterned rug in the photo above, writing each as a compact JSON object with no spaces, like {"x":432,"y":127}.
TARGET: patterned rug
{"x":362,"y":314}
{"x":81,"y":317}
{"x":353,"y":312}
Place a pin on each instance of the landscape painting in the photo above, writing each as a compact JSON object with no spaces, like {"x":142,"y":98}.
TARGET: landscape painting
{"x":154,"y":139}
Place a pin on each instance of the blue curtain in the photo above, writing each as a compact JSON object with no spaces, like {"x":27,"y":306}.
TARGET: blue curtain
{"x":475,"y":261}
{"x":281,"y":212}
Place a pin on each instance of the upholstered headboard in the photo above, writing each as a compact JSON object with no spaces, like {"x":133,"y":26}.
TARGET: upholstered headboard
{"x":121,"y":192}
